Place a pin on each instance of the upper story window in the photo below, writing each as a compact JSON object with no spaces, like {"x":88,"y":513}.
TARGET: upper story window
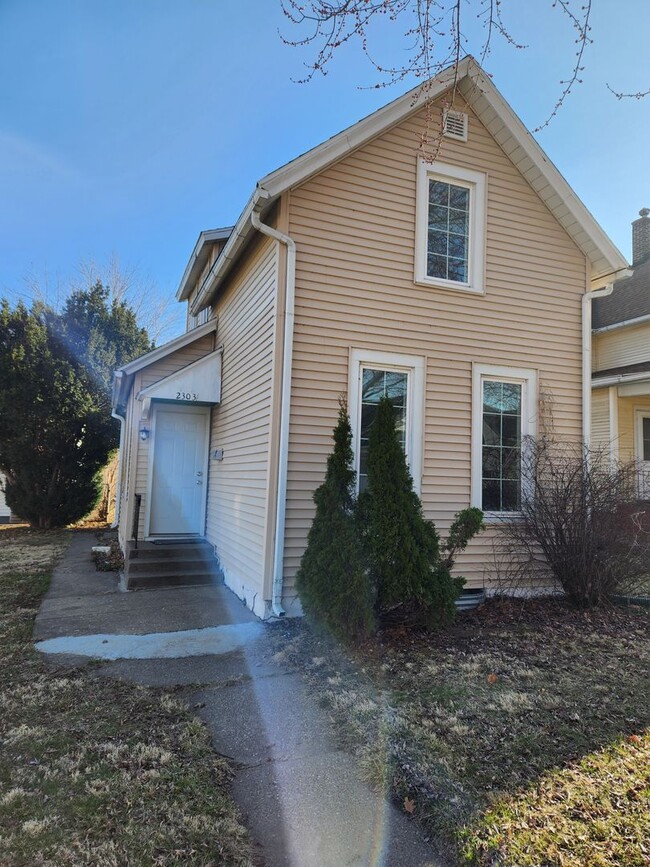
{"x":504,"y":411}
{"x":450,"y":229}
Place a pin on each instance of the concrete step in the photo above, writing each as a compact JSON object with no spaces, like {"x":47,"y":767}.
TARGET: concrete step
{"x":189,"y":551}
{"x":155,"y":580}
{"x":172,"y":564}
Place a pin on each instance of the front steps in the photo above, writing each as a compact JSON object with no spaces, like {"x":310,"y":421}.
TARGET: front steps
{"x":169,"y":564}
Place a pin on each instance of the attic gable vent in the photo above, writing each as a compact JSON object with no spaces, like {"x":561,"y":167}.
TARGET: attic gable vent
{"x":455,"y":125}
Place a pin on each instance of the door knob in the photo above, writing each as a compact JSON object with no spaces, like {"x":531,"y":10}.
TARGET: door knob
{"x":199,"y":482}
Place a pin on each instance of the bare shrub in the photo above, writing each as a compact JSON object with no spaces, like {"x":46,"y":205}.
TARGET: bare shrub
{"x":581,"y":523}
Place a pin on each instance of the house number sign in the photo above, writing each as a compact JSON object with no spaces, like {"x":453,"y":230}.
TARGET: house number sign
{"x":186,"y":395}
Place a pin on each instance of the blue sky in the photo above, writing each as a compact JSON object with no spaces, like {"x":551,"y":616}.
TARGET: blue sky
{"x":127,"y":127}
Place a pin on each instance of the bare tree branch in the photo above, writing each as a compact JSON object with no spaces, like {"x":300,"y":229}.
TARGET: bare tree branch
{"x":432,"y":36}
{"x":581,"y":24}
{"x":156,"y":312}
{"x":640,"y":94}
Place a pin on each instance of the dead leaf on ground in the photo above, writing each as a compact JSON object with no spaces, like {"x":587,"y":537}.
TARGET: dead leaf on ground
{"x":409,"y":805}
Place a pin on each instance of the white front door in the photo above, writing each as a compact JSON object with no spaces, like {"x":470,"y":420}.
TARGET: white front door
{"x":178,"y":471}
{"x":643,"y":451}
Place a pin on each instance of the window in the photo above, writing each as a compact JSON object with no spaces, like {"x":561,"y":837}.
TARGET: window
{"x":375,"y":385}
{"x":450,"y":227}
{"x":645,"y":438}
{"x":448,"y":231}
{"x":504,"y":412}
{"x":374,"y":375}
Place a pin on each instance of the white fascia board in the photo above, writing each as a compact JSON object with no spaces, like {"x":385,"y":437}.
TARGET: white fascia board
{"x":201,"y":378}
{"x":207,"y":237}
{"x":271,"y":186}
{"x":229,"y":254}
{"x":167,"y":348}
{"x":537,"y":169}
{"x":550,"y":173}
{"x":641,"y":388}
{"x":314,"y":161}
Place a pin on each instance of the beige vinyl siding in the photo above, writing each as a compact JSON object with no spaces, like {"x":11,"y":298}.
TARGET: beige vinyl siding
{"x":354,"y":226}
{"x":238,"y":485}
{"x":137,"y":464}
{"x":622,"y":346}
{"x":600,"y":430}
{"x":627,"y":407}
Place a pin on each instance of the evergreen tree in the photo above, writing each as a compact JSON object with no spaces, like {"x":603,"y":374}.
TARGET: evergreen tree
{"x":56,"y":431}
{"x":402,"y":547}
{"x":332,"y":580}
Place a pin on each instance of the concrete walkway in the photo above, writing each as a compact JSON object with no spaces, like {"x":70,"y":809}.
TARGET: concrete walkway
{"x":300,"y":796}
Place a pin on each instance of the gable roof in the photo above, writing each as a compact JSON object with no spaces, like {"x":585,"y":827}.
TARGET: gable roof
{"x":123,"y":376}
{"x":199,"y":257}
{"x":501,"y":121}
{"x":629,"y":301}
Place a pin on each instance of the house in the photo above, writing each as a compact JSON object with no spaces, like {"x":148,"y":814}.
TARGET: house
{"x":621,"y":362}
{"x":460,"y":287}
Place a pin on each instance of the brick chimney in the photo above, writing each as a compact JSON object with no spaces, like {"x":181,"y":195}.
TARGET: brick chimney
{"x":641,"y":237}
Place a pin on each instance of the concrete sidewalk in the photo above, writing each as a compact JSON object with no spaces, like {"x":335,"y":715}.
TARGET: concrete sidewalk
{"x":300,"y":795}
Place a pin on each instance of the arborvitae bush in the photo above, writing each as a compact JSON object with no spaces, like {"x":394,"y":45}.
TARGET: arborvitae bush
{"x":378,"y":559}
{"x":412,"y":579}
{"x":332,"y":580}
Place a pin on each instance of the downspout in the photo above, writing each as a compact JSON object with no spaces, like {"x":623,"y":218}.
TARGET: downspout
{"x":122,"y":420}
{"x":587,"y":298}
{"x":285,"y":406}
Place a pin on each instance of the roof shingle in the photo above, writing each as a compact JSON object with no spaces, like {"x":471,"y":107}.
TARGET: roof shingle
{"x":629,"y":300}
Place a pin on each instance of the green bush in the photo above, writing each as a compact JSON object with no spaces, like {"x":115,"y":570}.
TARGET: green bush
{"x":378,"y":559}
{"x":332,"y":580}
{"x":404,"y":553}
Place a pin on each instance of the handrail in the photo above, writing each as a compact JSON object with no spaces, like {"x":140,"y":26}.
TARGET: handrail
{"x":136,"y":519}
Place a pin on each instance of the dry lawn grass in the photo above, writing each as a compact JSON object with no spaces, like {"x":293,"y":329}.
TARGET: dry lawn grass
{"x":520,"y":734}
{"x":93,"y":771}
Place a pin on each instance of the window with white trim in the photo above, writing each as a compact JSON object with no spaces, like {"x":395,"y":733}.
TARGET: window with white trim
{"x":400,"y":378}
{"x":450,"y":229}
{"x":504,"y":413}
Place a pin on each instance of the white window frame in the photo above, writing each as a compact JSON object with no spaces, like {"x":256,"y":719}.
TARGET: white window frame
{"x":528,"y":379}
{"x":644,"y":485}
{"x":476,"y":182}
{"x":413,"y":365}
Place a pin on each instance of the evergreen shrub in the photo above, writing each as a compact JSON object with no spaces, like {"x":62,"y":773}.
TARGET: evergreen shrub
{"x":332,"y":580}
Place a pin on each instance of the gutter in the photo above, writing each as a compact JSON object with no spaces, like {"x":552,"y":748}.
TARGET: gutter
{"x":626,"y":323}
{"x":619,"y":379}
{"x":285,"y":401}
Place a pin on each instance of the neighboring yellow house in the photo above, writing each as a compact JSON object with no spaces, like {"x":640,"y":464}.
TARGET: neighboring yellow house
{"x":621,"y":362}
{"x":459,"y":287}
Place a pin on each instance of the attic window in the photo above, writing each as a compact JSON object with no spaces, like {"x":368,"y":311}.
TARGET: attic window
{"x":455,"y":125}
{"x":450,"y":227}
